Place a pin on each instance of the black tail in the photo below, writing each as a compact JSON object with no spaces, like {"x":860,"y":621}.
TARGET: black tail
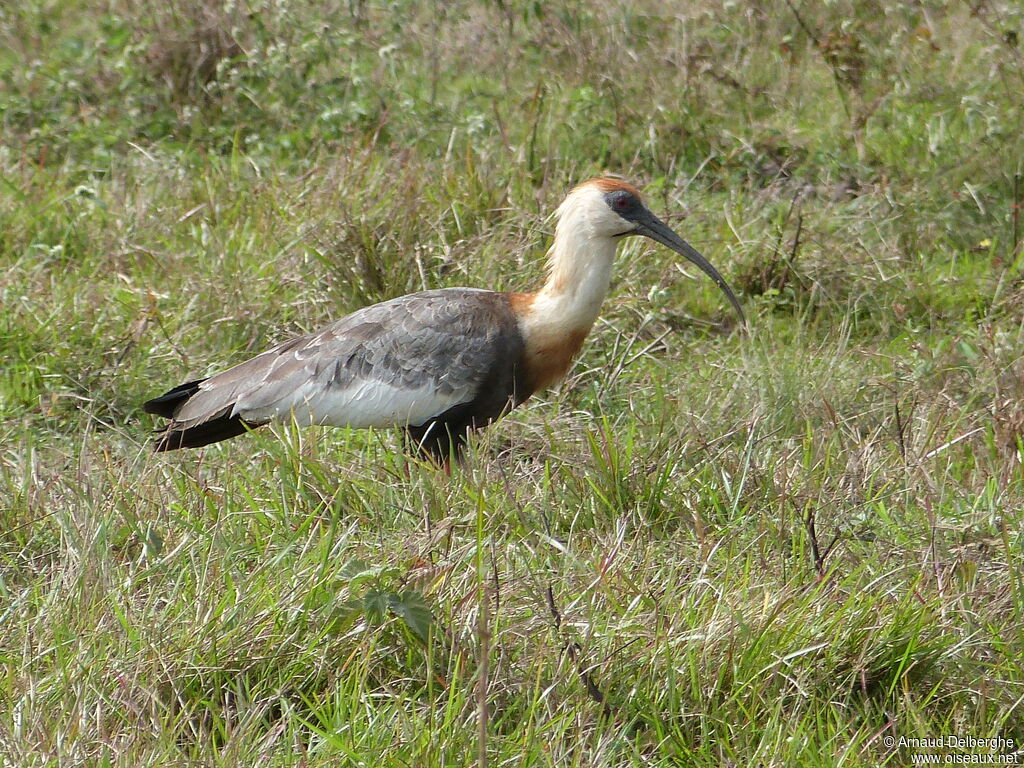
{"x":210,"y":431}
{"x":169,"y":402}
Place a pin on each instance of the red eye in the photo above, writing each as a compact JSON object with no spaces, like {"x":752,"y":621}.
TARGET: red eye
{"x":621,"y":203}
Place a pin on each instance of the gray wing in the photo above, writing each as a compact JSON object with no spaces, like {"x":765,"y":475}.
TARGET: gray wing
{"x":401,"y":362}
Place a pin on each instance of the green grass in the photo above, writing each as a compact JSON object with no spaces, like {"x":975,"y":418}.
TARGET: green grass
{"x":770,"y":549}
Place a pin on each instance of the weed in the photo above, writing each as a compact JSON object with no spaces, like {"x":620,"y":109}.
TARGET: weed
{"x":703,"y":548}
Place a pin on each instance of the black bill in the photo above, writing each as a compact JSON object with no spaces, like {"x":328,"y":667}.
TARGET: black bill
{"x":649,"y":225}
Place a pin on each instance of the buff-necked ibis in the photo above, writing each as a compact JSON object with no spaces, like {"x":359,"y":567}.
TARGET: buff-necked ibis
{"x":437,"y":363}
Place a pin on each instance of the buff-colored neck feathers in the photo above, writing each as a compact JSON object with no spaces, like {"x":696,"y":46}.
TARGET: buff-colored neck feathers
{"x":579,"y":262}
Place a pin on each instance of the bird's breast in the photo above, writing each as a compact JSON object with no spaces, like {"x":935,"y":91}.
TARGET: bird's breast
{"x":547,"y":360}
{"x":549,"y":344}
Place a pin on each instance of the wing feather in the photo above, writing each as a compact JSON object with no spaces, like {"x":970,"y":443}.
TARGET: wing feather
{"x":401,"y":362}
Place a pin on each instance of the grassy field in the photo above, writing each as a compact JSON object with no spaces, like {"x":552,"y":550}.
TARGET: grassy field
{"x":800,"y":546}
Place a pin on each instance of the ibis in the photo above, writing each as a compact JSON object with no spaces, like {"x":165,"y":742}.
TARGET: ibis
{"x":438,"y":364}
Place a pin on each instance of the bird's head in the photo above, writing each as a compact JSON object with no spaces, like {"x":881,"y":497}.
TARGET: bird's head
{"x":611,"y":208}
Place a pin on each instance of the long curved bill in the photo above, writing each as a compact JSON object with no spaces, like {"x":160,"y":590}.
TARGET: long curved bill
{"x":651,"y":226}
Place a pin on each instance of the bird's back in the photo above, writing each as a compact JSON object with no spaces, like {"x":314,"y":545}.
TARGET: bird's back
{"x":402,"y":362}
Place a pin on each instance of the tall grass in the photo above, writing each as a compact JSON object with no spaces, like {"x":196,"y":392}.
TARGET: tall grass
{"x":703,"y":548}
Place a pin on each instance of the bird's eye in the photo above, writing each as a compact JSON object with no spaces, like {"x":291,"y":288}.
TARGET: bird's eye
{"x":621,"y":202}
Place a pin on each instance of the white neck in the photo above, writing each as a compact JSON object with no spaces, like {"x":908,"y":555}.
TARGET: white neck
{"x":579,"y":271}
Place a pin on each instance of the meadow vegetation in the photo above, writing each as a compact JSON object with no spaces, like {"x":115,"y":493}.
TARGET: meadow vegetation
{"x":705,"y":548}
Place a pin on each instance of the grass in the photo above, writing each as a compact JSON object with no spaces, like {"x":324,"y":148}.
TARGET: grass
{"x":704,"y":548}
